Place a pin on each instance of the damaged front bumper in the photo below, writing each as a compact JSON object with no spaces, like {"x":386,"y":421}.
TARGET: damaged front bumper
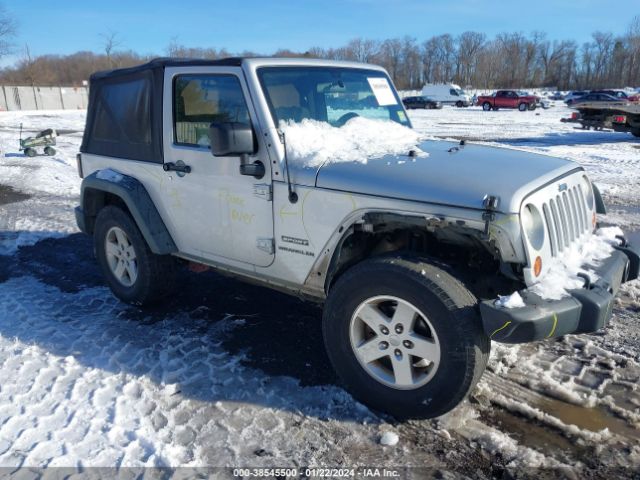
{"x":586,"y":310}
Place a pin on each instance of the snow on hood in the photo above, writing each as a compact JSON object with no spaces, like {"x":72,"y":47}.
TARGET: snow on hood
{"x":371,"y":157}
{"x":448,"y":173}
{"x":312,"y":143}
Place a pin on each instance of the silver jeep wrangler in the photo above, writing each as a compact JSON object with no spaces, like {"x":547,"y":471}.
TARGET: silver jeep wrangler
{"x":184,"y":162}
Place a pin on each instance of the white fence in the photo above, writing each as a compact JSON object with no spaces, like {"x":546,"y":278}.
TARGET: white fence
{"x":43,"y":98}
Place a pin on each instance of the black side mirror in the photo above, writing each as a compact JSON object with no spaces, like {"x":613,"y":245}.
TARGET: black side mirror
{"x":231,"y":139}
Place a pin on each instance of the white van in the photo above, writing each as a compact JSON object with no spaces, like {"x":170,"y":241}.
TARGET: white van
{"x":447,"y":94}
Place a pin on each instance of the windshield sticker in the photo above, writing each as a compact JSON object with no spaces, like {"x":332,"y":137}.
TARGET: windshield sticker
{"x":402,"y":116}
{"x":382,"y":91}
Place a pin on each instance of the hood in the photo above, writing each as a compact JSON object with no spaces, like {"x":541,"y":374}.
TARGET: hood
{"x":451,"y":175}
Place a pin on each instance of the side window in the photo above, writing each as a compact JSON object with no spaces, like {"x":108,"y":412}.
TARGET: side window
{"x":453,"y":92}
{"x":199,"y":100}
{"x":122,"y":112}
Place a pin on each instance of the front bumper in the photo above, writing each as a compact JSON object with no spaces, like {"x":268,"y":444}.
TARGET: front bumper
{"x":586,"y":310}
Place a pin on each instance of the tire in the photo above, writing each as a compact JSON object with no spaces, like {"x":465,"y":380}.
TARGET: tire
{"x":523,"y":107}
{"x":147,"y":277}
{"x":459,"y":104}
{"x":635,"y":132}
{"x":486,"y":106}
{"x":49,"y":151}
{"x":442,"y":305}
{"x":30,"y":152}
{"x":532,"y":107}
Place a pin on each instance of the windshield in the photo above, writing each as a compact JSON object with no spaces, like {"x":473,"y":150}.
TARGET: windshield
{"x":330,"y":94}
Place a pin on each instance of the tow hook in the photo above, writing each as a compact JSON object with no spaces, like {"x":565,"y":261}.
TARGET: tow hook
{"x":490,"y":203}
{"x":586,"y":278}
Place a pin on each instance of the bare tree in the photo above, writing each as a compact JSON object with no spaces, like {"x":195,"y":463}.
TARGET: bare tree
{"x":7,"y":31}
{"x":110,"y":43}
{"x":469,"y":47}
{"x":362,"y":50}
{"x":508,"y":60}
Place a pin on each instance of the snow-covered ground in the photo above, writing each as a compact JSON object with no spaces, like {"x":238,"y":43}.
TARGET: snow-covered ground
{"x":228,"y":374}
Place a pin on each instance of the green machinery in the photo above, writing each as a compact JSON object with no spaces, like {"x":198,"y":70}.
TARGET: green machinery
{"x":46,"y":138}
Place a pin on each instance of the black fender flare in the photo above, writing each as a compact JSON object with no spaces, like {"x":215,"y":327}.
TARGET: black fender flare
{"x":93,"y":196}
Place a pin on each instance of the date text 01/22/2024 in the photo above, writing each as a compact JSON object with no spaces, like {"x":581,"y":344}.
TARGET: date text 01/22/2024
{"x":316,"y":473}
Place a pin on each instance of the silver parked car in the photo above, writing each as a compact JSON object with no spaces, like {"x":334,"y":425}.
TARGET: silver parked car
{"x":190,"y":162}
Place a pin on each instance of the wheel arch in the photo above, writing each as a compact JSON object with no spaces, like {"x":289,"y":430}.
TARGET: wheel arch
{"x":97,"y":191}
{"x":376,"y":233}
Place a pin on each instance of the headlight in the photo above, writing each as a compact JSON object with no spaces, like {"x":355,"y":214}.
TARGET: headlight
{"x":588,"y":191}
{"x":533,"y":226}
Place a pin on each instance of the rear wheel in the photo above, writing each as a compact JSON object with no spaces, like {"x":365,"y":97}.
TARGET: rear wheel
{"x":30,"y":152}
{"x":404,"y":336}
{"x":459,"y":104}
{"x":486,"y":106}
{"x":635,"y":132}
{"x":523,"y":107}
{"x":133,"y":272}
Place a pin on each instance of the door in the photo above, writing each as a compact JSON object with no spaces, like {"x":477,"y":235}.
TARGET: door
{"x":501,"y":99}
{"x":215,"y":212}
{"x":514,"y":100}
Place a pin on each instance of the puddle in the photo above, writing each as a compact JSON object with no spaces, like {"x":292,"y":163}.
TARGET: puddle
{"x":531,"y":434}
{"x":592,"y":419}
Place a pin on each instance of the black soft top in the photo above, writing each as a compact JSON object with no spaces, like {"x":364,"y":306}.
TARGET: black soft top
{"x":124,"y":117}
{"x":161,"y":63}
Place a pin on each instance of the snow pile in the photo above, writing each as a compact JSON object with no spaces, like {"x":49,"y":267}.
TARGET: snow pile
{"x":313,"y":143}
{"x":510,"y":301}
{"x":110,"y":175}
{"x":389,"y":439}
{"x":562,"y":273}
{"x":503,"y":357}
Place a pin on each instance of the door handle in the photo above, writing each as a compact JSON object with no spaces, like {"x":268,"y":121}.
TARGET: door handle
{"x":179,"y":167}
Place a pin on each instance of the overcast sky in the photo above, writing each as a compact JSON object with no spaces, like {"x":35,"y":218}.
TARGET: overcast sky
{"x":147,"y":26}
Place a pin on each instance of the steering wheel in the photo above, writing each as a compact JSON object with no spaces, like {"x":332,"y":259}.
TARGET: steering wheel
{"x":345,"y":118}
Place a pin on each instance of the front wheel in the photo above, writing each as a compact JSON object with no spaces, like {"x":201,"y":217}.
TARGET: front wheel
{"x":50,"y":151}
{"x":133,"y":272}
{"x":486,"y":106}
{"x":459,"y":104}
{"x":404,"y":336}
{"x":635,"y":132}
{"x":30,"y":152}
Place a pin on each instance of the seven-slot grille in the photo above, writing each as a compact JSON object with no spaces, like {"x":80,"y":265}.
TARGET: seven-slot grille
{"x":566,"y":217}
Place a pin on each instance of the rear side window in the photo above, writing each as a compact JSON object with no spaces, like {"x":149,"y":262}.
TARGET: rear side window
{"x":199,"y":100}
{"x":122,"y":113}
{"x":121,"y":122}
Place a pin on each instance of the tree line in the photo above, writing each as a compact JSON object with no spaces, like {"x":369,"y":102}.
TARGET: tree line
{"x":509,"y":60}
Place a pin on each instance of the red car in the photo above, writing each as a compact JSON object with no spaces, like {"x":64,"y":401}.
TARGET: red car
{"x":508,"y":99}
